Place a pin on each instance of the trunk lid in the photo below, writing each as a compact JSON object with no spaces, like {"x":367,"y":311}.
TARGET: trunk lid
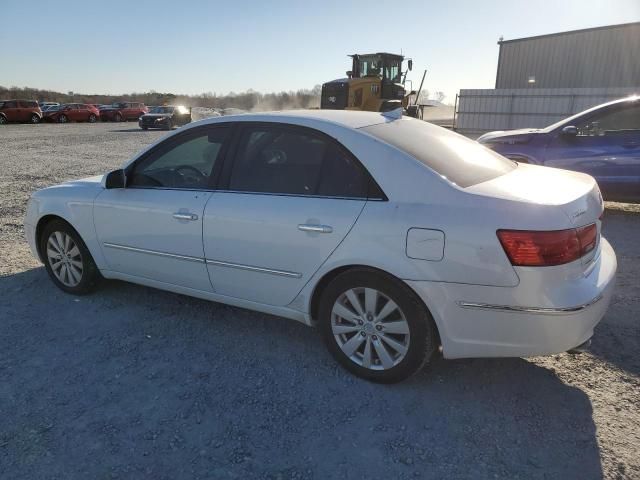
{"x":576,"y":194}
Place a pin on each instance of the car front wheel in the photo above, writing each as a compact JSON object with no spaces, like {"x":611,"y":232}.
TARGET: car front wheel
{"x":63,"y":119}
{"x":93,"y":118}
{"x":34,"y":118}
{"x":375,"y":326}
{"x":67,"y":259}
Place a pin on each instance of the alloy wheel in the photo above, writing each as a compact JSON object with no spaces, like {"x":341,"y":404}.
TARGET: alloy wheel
{"x":64,"y":258}
{"x":370,"y":328}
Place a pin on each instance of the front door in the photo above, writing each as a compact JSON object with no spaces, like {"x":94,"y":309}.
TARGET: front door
{"x":153,"y":227}
{"x":607,"y":147}
{"x":291,"y":197}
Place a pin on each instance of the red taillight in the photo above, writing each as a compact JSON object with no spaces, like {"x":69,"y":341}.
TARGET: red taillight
{"x":588,"y":237}
{"x":544,"y":249}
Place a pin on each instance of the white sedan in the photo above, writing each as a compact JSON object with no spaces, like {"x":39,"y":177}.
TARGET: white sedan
{"x":395,"y":237}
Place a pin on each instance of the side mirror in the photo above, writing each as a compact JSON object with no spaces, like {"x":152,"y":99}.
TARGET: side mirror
{"x":570,"y":131}
{"x":410,"y":64}
{"x":115,"y":179}
{"x":349,"y":73}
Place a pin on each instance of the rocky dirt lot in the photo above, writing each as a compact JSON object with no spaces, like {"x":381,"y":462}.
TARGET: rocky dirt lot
{"x":137,"y":383}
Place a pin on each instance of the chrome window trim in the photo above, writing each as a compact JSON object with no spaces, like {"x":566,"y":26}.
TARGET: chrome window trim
{"x":154,"y":252}
{"x":251,"y":268}
{"x":537,"y":310}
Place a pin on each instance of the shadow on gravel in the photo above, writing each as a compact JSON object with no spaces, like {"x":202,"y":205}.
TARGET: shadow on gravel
{"x":132,"y":382}
{"x":617,"y":337}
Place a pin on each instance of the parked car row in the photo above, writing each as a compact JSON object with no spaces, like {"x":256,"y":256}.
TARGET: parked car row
{"x":165,"y":117}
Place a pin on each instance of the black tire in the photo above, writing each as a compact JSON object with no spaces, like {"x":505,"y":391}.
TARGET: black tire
{"x":93,"y":118}
{"x":118,"y":117}
{"x":169,"y":125}
{"x":423,"y":335}
{"x":3,"y":119}
{"x":90,"y":275}
{"x":35,"y":118}
{"x":144,"y":127}
{"x":63,"y":119}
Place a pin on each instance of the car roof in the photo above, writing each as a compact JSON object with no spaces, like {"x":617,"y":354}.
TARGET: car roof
{"x":345,"y":118}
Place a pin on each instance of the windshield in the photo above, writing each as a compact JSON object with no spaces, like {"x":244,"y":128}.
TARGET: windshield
{"x":375,"y":65}
{"x":454,"y":157}
{"x":161,"y":110}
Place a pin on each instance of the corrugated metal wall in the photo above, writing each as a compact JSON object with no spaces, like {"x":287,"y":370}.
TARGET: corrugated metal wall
{"x":602,"y":57}
{"x":480,"y":111}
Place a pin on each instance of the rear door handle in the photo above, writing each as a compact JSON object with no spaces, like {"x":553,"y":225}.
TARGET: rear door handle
{"x":185,"y":216}
{"x":305,"y":227}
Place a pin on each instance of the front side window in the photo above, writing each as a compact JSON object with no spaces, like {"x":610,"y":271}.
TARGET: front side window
{"x":12,"y":104}
{"x":186,"y":163}
{"x":612,"y":122}
{"x":287,"y":161}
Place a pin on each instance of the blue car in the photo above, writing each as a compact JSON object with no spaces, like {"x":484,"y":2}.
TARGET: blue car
{"x":603,"y":141}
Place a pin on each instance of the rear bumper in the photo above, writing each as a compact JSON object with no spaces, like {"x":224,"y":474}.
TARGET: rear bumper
{"x":543,"y":315}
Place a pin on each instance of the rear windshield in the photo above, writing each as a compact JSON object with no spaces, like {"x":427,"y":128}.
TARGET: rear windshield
{"x":458,"y":159}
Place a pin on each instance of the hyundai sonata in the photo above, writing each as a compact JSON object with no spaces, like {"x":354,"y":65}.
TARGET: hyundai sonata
{"x":395,"y":237}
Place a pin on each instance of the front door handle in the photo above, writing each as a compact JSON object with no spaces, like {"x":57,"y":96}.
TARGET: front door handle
{"x":305,"y":227}
{"x":185,"y":216}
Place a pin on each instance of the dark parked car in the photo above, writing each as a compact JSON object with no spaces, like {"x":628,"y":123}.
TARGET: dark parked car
{"x":72,"y":112}
{"x":123,"y":111}
{"x":165,"y":117}
{"x":603,"y":141}
{"x":20,"y":111}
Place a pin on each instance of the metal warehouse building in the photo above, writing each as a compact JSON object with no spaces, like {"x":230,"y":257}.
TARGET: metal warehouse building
{"x":543,"y":79}
{"x":602,"y":57}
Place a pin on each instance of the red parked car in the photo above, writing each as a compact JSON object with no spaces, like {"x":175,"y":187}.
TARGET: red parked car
{"x":123,"y":111}
{"x":20,"y":111}
{"x":73,"y":112}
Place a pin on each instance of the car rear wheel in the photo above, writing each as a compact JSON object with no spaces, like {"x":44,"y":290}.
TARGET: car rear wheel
{"x":63,"y":119}
{"x":93,"y":118}
{"x":375,"y":326}
{"x":67,"y":259}
{"x":35,"y":118}
{"x":3,"y":119}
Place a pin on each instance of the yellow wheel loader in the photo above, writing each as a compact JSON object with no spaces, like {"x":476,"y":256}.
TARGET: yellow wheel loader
{"x":375,"y":83}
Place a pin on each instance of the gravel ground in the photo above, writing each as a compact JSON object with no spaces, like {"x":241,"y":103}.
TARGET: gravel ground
{"x":132,"y":382}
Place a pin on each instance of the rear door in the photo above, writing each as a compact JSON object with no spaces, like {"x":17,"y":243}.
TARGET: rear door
{"x":289,"y":198}
{"x":607,"y":147}
{"x":83,"y":113}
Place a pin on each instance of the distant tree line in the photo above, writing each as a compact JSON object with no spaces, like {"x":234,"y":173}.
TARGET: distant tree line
{"x":249,"y":100}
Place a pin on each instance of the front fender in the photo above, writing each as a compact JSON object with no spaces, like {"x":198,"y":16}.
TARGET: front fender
{"x":74,"y":204}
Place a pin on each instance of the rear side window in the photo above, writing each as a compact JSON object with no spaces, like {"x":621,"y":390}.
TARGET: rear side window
{"x":291,"y":161}
{"x":458,"y":159}
{"x":10,"y":104}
